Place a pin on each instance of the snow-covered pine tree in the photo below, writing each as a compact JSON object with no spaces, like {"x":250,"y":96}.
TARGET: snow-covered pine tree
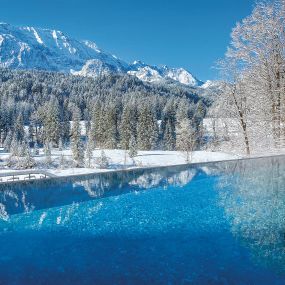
{"x":14,"y":147}
{"x":93,"y":127}
{"x":185,"y":138}
{"x":127,"y":125}
{"x":12,"y":161}
{"x":168,"y":125}
{"x":127,"y":130}
{"x":147,"y":130}
{"x":27,"y":161}
{"x":65,"y":123}
{"x":169,"y":136}
{"x":183,"y":109}
{"x":31,"y":133}
{"x":51,"y":120}
{"x":19,"y":132}
{"x":8,"y":141}
{"x":47,"y":152}
{"x":102,"y":160}
{"x":200,"y":111}
{"x":36,"y":124}
{"x":111,"y":128}
{"x":87,"y":115}
{"x":133,"y":147}
{"x":88,"y":156}
{"x":97,"y":129}
{"x":75,"y":135}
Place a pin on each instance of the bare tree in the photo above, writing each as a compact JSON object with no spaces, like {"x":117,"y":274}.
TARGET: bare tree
{"x":255,"y":72}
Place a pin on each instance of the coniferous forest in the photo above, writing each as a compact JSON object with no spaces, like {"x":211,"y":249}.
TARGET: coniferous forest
{"x":112,"y":111}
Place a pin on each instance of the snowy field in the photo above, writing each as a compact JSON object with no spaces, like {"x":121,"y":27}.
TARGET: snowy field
{"x":117,"y":160}
{"x":144,"y":159}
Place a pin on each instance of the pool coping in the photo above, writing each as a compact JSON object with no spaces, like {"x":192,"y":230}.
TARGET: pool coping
{"x":53,"y":177}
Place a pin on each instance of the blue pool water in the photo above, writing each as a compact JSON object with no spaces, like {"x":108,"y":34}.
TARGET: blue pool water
{"x":217,"y":223}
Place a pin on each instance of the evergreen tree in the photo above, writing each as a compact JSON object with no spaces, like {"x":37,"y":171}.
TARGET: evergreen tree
{"x":47,"y":152}
{"x":127,"y":126}
{"x":88,"y":154}
{"x":76,"y":144}
{"x":111,"y":129}
{"x":28,"y":161}
{"x":102,"y":160}
{"x":31,"y":134}
{"x":8,"y":141}
{"x":183,"y":110}
{"x":97,"y":125}
{"x":14,"y":147}
{"x":169,"y":137}
{"x":132,"y":147}
{"x":51,"y":121}
{"x":147,"y":128}
{"x":19,"y":132}
{"x":168,"y":125}
{"x":65,"y":123}
{"x":185,"y":138}
{"x":21,"y":149}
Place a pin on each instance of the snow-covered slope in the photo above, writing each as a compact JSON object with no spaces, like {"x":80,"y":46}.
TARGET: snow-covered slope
{"x":96,"y":67}
{"x":52,"y":50}
{"x":157,"y":74}
{"x":43,"y":49}
{"x":212,"y":84}
{"x":212,"y":89}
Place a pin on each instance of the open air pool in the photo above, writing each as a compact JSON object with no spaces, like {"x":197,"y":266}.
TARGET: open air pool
{"x":214,"y":223}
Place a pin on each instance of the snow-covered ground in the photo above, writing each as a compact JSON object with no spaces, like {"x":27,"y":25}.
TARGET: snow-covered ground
{"x":117,"y":160}
{"x":144,"y":159}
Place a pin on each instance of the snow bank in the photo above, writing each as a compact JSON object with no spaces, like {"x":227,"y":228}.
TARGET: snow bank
{"x":145,"y":159}
{"x":118,"y":160}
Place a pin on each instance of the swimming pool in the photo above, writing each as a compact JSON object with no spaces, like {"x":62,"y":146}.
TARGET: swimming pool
{"x":214,"y":223}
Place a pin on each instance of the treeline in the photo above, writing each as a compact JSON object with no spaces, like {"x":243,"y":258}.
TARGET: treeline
{"x":117,"y":110}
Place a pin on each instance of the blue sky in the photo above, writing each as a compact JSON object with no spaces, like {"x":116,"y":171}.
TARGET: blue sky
{"x":180,"y":33}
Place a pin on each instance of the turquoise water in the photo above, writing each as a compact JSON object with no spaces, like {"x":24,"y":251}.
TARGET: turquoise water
{"x":217,"y":223}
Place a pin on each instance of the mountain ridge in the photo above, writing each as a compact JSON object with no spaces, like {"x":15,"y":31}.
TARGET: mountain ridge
{"x":52,"y":50}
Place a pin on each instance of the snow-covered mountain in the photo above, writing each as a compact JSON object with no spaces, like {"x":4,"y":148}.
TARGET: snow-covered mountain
{"x":211,"y":90}
{"x":43,"y":49}
{"x":156,"y":74}
{"x":212,"y":84}
{"x":52,"y":50}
